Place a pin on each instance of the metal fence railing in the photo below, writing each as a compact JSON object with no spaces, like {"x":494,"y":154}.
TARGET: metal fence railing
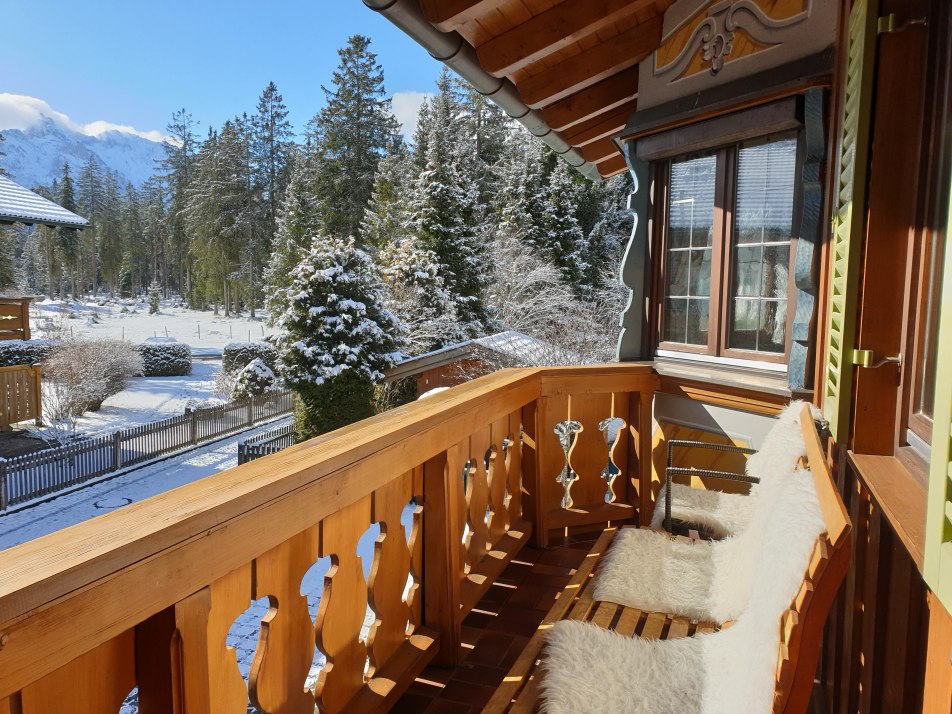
{"x":26,"y":477}
{"x":268,"y":442}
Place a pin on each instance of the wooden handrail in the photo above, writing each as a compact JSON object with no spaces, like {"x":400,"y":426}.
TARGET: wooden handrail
{"x":64,"y":595}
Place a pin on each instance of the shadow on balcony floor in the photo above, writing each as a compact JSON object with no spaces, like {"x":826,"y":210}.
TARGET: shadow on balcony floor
{"x":498,"y":629}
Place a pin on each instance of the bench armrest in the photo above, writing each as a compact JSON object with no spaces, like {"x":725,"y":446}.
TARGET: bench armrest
{"x":672,"y":470}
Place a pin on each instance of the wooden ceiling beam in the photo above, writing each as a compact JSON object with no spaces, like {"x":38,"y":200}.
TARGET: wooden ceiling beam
{"x":600,"y":150}
{"x":613,"y":166}
{"x":551,"y":30}
{"x":583,"y":70}
{"x":448,"y":15}
{"x":600,"y":126}
{"x":597,"y":99}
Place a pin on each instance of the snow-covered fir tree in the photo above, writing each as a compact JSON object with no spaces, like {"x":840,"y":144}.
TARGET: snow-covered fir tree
{"x":443,"y":211}
{"x":563,"y":235}
{"x":417,"y":295}
{"x":386,"y":211}
{"x":298,"y":221}
{"x":339,"y":337}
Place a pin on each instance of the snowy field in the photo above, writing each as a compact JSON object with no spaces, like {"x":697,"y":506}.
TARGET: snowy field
{"x":105,"y":317}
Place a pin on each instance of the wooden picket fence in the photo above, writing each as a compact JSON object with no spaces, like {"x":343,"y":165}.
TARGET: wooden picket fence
{"x":23,"y":478}
{"x":267,"y":443}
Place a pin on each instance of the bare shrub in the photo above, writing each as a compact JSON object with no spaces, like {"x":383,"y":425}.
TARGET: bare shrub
{"x":84,"y":372}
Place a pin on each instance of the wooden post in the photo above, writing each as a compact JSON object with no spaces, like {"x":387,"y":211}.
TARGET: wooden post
{"x":442,"y":488}
{"x":117,"y":449}
{"x":645,"y":438}
{"x":4,"y":495}
{"x":192,"y":425}
{"x":154,"y":662}
{"x":532,"y":505}
{"x":250,"y":412}
{"x":37,"y":391}
{"x":25,"y":317}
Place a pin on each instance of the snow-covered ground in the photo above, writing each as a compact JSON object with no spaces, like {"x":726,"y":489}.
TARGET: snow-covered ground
{"x":149,"y":399}
{"x":104,"y":317}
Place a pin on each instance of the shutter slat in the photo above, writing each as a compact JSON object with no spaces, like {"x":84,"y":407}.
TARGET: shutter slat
{"x":847,"y":233}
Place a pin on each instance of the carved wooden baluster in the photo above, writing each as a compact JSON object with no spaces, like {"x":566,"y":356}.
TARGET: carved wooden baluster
{"x":498,"y":480}
{"x":479,"y":501}
{"x":388,"y":576}
{"x":286,"y":643}
{"x":415,"y":544}
{"x":613,"y":429}
{"x":343,"y":607}
{"x":209,"y":668}
{"x":621,"y":402}
{"x":514,"y":469}
{"x":587,"y":456}
{"x":567,"y":432}
{"x":467,"y":475}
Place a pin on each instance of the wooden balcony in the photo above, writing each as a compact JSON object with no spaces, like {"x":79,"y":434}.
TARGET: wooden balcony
{"x":144,"y":597}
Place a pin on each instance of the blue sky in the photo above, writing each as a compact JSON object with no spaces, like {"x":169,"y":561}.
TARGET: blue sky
{"x":133,"y":63}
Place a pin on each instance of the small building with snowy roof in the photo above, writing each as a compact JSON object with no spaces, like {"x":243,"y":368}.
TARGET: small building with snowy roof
{"x":461,"y":362}
{"x":21,"y":205}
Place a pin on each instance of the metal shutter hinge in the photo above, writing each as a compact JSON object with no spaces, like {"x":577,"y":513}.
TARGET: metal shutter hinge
{"x":864,"y":358}
{"x":889,"y":25}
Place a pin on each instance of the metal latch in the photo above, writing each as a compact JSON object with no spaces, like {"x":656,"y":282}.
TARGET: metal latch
{"x":864,"y":358}
{"x":888,"y":24}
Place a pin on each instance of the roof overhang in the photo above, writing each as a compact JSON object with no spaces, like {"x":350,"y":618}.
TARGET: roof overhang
{"x":567,"y":71}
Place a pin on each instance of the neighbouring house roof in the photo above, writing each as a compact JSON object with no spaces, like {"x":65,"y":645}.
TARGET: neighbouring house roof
{"x":511,"y":346}
{"x":21,"y":205}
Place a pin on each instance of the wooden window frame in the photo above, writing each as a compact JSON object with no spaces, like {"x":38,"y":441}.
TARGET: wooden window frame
{"x":722,"y":244}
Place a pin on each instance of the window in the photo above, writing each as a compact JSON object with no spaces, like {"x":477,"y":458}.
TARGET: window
{"x":729,"y":228}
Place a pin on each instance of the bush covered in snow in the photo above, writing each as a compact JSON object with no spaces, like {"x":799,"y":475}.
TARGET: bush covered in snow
{"x":86,"y":372}
{"x":339,"y":336}
{"x":238,"y":355}
{"x":14,"y":352}
{"x":254,"y":380}
{"x":165,"y":359}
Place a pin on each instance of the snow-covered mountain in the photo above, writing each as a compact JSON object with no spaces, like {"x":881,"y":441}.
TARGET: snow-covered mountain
{"x":38,"y":139}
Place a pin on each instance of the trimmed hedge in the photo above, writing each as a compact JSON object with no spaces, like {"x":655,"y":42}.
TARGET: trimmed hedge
{"x":238,"y":355}
{"x":165,"y":359}
{"x":16,"y":352}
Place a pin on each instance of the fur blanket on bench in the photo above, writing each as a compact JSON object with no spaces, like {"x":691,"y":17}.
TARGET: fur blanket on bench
{"x":589,"y":669}
{"x":724,"y":514}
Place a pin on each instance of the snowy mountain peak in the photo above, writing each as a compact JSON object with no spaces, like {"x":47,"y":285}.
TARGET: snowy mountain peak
{"x":38,"y":139}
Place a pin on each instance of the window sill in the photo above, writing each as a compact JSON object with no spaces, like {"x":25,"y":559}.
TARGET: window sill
{"x":900,"y":495}
{"x":728,"y":385}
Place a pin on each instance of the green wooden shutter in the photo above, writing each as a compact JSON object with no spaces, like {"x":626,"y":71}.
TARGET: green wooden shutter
{"x":938,"y":557}
{"x":850,"y":202}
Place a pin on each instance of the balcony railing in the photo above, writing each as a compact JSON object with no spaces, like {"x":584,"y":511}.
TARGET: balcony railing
{"x":145,"y":596}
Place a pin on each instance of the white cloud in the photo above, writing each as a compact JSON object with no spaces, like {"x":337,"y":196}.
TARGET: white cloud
{"x":18,"y":111}
{"x":406,"y":106}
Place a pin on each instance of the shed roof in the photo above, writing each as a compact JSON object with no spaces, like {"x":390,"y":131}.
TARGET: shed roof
{"x":21,"y":205}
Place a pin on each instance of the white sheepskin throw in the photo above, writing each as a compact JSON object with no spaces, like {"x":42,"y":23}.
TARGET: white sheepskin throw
{"x":588,"y":669}
{"x":705,"y":580}
{"x":723,"y":514}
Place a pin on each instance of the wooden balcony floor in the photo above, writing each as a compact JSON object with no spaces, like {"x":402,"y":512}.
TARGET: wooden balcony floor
{"x":498,"y":629}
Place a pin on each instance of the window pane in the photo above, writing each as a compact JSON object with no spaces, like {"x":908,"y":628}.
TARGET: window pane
{"x":690,"y":226}
{"x":760,"y":254}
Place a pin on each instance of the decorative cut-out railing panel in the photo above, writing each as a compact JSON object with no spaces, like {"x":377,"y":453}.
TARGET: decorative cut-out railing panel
{"x":417,"y":512}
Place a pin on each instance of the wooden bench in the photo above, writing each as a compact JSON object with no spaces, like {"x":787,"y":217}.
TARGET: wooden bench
{"x":801,"y":625}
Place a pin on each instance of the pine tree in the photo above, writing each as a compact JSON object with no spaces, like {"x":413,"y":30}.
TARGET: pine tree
{"x":90,"y":200}
{"x":155,"y":297}
{"x":563,"y":233}
{"x":133,"y":250}
{"x":272,"y":148}
{"x":298,"y":220}
{"x":417,"y":295}
{"x":349,"y":136}
{"x":176,"y":170}
{"x":109,"y":231}
{"x":67,"y":239}
{"x":443,"y":210}
{"x":339,"y":337}
{"x":9,"y":275}
{"x":386,"y":212}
